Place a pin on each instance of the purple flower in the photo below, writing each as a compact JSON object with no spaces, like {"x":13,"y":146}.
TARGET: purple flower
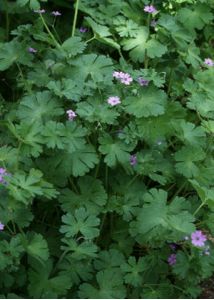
{"x":56,"y":13}
{"x":71,"y":114}
{"x":32,"y":50}
{"x":116,"y":74}
{"x":209,"y":62}
{"x":198,"y":238}
{"x":39,"y":11}
{"x":172,"y":259}
{"x":143,"y":82}
{"x":83,"y":29}
{"x":113,"y":100}
{"x":123,"y":77}
{"x":133,"y":160}
{"x":150,"y":9}
{"x":3,"y":172}
{"x":173,"y":246}
{"x":1,"y":226}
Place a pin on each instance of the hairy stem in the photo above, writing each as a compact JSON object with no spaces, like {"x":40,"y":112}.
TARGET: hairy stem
{"x":75,"y":17}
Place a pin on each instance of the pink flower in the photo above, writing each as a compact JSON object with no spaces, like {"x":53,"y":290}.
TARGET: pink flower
{"x":113,"y":100}
{"x":142,"y":81}
{"x":123,"y":77}
{"x":56,"y":13}
{"x":133,"y":160}
{"x":71,"y":114}
{"x":3,"y":172}
{"x":198,"y":239}
{"x":150,"y":9}
{"x":32,"y":50}
{"x":172,"y":259}
{"x":1,"y":226}
{"x":83,"y":29}
{"x":209,"y":62}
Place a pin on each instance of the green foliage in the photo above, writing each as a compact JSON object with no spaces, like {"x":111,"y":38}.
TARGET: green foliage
{"x":100,"y":199}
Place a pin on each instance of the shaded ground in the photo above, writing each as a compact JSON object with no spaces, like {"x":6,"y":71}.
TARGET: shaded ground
{"x":208,"y":289}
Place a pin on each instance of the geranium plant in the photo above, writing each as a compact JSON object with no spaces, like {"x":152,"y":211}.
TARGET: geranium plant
{"x":106,"y":154}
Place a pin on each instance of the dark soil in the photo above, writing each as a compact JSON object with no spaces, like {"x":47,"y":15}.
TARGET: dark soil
{"x":208,"y":289}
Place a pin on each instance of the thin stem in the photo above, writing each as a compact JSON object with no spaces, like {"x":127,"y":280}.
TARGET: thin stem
{"x":7,"y":22}
{"x":179,"y":190}
{"x":106,"y":177}
{"x":91,"y":39}
{"x":10,"y":230}
{"x":73,"y":186}
{"x":132,"y":180}
{"x":59,"y":261}
{"x":170,"y":81}
{"x":97,"y":170}
{"x":75,"y":17}
{"x":200,"y":206}
{"x":49,"y":32}
{"x":18,"y":153}
{"x":24,"y":80}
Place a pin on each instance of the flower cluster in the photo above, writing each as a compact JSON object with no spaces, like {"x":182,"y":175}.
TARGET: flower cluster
{"x":71,"y":114}
{"x":123,"y":77}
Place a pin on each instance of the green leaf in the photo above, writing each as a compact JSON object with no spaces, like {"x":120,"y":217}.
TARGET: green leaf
{"x":102,"y":33}
{"x":73,"y":46}
{"x":110,"y":286}
{"x":115,"y":151}
{"x":157,"y":216}
{"x":137,"y":44}
{"x":94,"y":110}
{"x":12,"y":52}
{"x":190,"y":134}
{"x":91,"y":66}
{"x":196,"y":17}
{"x":40,"y":106}
{"x":141,"y":46}
{"x":92,"y":195}
{"x":43,"y":285}
{"x":155,"y":49}
{"x":133,"y":271}
{"x":124,"y":27}
{"x":54,"y":135}
{"x":111,"y":259}
{"x":37,"y":246}
{"x":149,"y":102}
{"x":187,"y":159}
{"x":8,"y":155}
{"x":74,"y":134}
{"x":81,"y":222}
{"x":76,"y":163}
{"x":80,"y":251}
{"x":23,"y":187}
